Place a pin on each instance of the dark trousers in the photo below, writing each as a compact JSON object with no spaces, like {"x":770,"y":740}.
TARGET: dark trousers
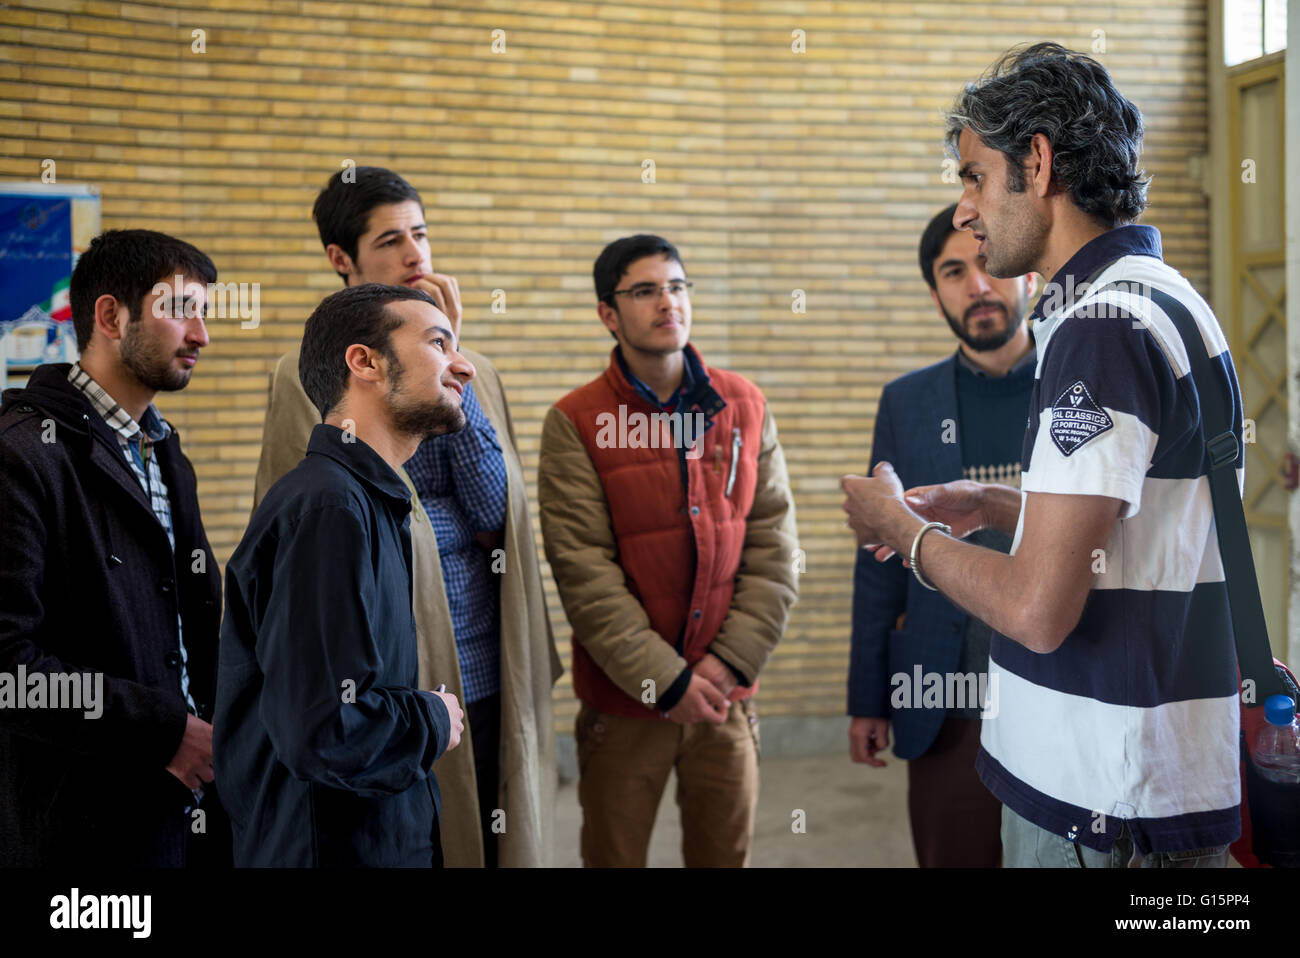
{"x":485,"y":730}
{"x":213,"y":847}
{"x":956,"y":821}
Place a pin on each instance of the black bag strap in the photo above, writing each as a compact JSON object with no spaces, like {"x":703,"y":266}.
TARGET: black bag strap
{"x":1250,"y":632}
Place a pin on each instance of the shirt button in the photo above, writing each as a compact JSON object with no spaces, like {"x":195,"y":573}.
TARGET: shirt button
{"x":166,"y":585}
{"x":695,"y":510}
{"x":173,"y":659}
{"x":696,"y":614}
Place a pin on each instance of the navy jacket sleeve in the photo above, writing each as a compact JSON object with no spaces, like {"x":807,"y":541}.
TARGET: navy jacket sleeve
{"x":879,"y":597}
{"x":317,"y":651}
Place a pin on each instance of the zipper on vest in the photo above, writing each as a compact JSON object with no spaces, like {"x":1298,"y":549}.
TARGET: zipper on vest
{"x":735,"y":459}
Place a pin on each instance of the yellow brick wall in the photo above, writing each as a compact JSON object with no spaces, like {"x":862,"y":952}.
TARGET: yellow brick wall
{"x":774,"y":171}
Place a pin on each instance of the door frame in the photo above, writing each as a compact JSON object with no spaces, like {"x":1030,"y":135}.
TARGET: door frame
{"x":1222,"y":184}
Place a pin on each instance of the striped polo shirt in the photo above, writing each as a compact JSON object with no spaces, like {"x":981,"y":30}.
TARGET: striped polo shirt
{"x":1133,"y":720}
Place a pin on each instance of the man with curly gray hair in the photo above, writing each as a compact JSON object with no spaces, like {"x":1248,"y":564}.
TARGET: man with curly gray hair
{"x":1115,"y":736}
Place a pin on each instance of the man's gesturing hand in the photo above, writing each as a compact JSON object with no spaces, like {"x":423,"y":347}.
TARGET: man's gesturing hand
{"x":701,"y":703}
{"x":446,"y":293}
{"x":192,"y":763}
{"x":867,"y":736}
{"x":867,"y":500}
{"x":457,"y":716}
{"x":958,"y":504}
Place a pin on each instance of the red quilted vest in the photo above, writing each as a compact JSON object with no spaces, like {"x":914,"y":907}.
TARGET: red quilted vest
{"x":679,"y":554}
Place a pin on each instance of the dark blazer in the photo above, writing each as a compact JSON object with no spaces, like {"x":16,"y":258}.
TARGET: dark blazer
{"x":88,"y":582}
{"x":323,"y":739}
{"x":910,"y":429}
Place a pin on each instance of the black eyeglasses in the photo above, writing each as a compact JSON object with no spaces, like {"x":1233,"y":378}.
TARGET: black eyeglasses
{"x":648,"y":292}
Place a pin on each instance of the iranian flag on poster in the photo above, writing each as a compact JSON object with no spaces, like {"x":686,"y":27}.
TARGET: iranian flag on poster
{"x":58,"y":306}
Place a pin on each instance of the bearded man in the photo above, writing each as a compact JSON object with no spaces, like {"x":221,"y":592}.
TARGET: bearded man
{"x":321,"y":730}
{"x":962,"y":418}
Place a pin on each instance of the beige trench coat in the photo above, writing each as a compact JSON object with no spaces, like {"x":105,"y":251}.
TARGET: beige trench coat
{"x":529,"y":662}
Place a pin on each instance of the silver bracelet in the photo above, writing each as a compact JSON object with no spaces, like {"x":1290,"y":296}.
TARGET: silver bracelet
{"x":915,"y":557}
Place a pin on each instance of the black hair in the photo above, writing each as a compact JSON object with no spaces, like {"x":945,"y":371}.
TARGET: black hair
{"x":342,"y":209}
{"x":127,"y":264}
{"x":1095,"y":132}
{"x":613,"y":262}
{"x":356,"y":314}
{"x":932,"y":240}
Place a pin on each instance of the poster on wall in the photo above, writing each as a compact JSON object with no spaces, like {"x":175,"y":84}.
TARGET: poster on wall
{"x":43,"y":229}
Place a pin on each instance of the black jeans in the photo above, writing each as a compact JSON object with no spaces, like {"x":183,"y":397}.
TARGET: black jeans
{"x":485,"y":729}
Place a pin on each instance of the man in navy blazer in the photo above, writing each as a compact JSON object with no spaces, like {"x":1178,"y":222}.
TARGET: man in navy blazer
{"x":917,"y":660}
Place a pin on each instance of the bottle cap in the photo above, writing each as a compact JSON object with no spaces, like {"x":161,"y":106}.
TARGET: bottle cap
{"x":1279,"y":709}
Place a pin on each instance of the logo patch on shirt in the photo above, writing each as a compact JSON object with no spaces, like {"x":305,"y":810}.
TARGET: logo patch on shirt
{"x":1076,"y":419}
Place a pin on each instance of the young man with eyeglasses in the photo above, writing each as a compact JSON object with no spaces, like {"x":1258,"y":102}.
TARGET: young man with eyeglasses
{"x":673,"y":549}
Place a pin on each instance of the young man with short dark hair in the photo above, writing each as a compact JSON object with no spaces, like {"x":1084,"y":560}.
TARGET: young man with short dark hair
{"x":326,"y":741}
{"x":479,"y":604}
{"x":1116,"y":738}
{"x":106,"y":575}
{"x":669,"y":525}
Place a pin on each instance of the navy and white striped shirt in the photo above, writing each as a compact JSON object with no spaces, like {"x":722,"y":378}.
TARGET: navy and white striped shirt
{"x":461,"y":480}
{"x":1134,"y":719}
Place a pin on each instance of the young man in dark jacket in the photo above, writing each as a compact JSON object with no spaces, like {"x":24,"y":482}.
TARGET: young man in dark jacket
{"x":326,"y":740}
{"x":107,"y":584}
{"x":962,"y":418}
{"x":473,"y":556}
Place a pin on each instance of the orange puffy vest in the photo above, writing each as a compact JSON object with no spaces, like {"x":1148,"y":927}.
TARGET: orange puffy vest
{"x":679,"y":548}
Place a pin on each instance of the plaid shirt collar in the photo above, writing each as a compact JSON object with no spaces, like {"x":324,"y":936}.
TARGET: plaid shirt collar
{"x":648,"y":394}
{"x":152,"y":424}
{"x":694,"y":391}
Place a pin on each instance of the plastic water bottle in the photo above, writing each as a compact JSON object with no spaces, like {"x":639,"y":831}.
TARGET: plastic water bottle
{"x":1277,"y":747}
